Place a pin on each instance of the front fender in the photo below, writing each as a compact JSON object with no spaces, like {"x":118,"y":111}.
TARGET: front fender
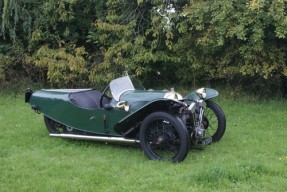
{"x":210,"y":93}
{"x":130,"y":122}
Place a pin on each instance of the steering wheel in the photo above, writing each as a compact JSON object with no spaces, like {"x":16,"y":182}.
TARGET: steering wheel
{"x":104,"y":95}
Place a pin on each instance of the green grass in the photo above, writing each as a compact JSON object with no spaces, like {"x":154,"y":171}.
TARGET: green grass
{"x":252,"y":155}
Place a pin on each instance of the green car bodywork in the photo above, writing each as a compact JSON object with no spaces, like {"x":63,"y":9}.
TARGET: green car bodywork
{"x":210,"y":93}
{"x":57,"y":105}
{"x":163,"y":122}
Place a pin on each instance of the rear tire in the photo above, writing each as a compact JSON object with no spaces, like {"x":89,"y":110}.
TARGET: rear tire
{"x":54,"y":126}
{"x":164,"y":137}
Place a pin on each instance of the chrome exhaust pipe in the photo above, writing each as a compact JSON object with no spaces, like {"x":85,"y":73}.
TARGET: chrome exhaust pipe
{"x":97,"y":138}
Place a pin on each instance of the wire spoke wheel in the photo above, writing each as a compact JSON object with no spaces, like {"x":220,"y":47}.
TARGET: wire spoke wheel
{"x":214,"y":121}
{"x":164,"y":137}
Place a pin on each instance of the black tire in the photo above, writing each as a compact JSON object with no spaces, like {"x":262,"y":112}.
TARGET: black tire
{"x":164,"y":137}
{"x":53,"y":126}
{"x":214,"y":121}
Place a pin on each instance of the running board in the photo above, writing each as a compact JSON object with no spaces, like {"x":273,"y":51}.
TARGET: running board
{"x":97,"y":138}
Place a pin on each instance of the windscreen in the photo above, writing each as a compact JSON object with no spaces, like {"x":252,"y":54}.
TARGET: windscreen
{"x":120,"y":85}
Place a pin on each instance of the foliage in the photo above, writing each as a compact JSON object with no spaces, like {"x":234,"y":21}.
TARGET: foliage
{"x":186,"y":41}
{"x":236,"y":37}
{"x":66,"y":67}
{"x":56,"y":34}
{"x":137,"y":37}
{"x":200,"y":40}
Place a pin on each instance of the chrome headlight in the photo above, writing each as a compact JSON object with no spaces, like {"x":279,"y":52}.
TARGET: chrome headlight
{"x":201,"y":93}
{"x":123,"y":105}
{"x":173,"y":95}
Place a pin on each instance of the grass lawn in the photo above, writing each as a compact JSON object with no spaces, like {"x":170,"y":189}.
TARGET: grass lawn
{"x":252,"y":155}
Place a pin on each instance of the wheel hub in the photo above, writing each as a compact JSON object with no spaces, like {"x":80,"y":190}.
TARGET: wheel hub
{"x":165,"y":138}
{"x":160,"y":140}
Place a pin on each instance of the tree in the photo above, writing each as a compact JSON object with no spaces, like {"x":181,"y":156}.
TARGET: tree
{"x":34,"y":32}
{"x":229,"y":38}
{"x":135,"y":36}
{"x":77,"y":42}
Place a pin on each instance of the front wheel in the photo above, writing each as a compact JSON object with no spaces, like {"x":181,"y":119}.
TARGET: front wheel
{"x":214,"y":121}
{"x":164,"y":137}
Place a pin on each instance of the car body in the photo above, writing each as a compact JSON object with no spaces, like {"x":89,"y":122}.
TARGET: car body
{"x":124,"y":111}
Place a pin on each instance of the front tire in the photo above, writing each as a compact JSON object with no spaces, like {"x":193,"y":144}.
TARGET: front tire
{"x":214,"y":121}
{"x":164,"y":137}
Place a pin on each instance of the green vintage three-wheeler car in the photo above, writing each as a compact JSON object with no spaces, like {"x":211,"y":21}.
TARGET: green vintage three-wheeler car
{"x":164,"y":123}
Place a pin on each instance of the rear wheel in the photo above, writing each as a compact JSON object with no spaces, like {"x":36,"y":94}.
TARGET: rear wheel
{"x":54,"y":126}
{"x":214,"y":121}
{"x":164,"y":137}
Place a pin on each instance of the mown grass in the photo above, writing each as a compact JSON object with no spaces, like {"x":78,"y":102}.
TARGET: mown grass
{"x":252,"y":155}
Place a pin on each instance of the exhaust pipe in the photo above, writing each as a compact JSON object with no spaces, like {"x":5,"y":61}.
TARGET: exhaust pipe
{"x":97,"y":138}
